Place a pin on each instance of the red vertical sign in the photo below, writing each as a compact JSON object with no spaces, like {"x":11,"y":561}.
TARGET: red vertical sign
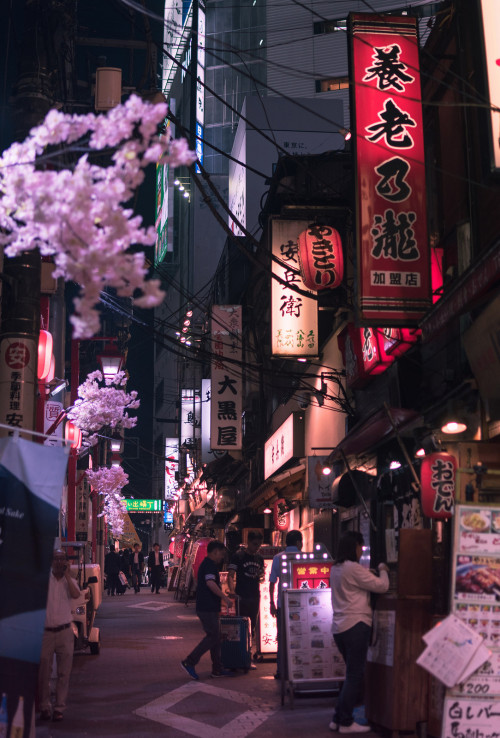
{"x":393,"y":253}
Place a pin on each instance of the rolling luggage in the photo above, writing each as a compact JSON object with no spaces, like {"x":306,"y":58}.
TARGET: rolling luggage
{"x":236,"y":641}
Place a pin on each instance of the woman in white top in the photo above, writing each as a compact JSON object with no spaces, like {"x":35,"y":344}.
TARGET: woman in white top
{"x":351,"y":585}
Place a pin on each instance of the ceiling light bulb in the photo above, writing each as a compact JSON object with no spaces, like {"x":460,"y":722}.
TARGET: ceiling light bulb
{"x":420,"y":452}
{"x":181,"y":187}
{"x":187,"y":322}
{"x":454,"y":426}
{"x":326,"y":470}
{"x":186,"y":194}
{"x":395,"y":465}
{"x":189,"y":314}
{"x":176,"y":182}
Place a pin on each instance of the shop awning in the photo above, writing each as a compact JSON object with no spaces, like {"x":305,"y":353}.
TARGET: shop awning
{"x":278,"y":485}
{"x":374,"y":430}
{"x":224,"y":470}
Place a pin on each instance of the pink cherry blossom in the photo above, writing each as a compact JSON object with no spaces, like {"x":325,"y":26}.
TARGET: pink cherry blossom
{"x":77,"y":215}
{"x":109,"y":481}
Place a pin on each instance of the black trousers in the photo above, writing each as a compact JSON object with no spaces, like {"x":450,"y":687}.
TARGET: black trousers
{"x":155,"y":578}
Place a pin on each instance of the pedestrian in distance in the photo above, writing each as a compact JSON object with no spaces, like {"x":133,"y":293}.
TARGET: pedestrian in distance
{"x":209,"y":596}
{"x":136,"y":568}
{"x":293,"y":543}
{"x":57,"y":638}
{"x":245,"y":573}
{"x":351,"y":585}
{"x":111,"y":570}
{"x":156,"y":568}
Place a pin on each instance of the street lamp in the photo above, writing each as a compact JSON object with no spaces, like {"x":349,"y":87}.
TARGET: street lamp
{"x":116,"y":444}
{"x":110,"y":360}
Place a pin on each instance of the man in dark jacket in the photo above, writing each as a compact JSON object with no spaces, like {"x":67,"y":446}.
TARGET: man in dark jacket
{"x":136,"y":567}
{"x":156,"y":568}
{"x":111,"y":569}
{"x":208,"y":604}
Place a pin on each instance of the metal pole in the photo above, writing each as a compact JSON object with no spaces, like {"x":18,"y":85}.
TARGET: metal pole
{"x":356,"y":489}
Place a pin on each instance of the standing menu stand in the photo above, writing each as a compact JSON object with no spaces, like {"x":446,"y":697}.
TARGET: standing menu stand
{"x":312,"y":660}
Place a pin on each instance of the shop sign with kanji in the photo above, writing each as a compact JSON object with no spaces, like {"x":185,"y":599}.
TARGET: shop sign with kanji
{"x":227,"y":385}
{"x":311,"y":575}
{"x":294,"y":316}
{"x":393,"y":253}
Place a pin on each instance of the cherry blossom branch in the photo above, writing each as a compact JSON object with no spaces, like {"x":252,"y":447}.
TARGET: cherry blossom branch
{"x":77,"y":213}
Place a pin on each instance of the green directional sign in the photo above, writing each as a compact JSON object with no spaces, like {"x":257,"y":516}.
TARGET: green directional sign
{"x":144,"y":505}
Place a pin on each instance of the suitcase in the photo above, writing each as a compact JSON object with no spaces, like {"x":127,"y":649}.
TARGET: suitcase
{"x":236,"y":642}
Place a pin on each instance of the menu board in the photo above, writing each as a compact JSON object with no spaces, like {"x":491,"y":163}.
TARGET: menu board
{"x":476,"y":588}
{"x":311,"y":651}
{"x":470,"y":717}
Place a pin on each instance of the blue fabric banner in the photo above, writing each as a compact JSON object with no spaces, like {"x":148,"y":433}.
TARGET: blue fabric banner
{"x":31,"y":482}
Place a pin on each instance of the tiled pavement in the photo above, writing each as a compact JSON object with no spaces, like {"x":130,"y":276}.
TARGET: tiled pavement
{"x":136,"y":687}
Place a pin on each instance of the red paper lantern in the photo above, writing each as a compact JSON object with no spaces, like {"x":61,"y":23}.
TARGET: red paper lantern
{"x":437,"y":477}
{"x":73,"y":434}
{"x":320,"y":257}
{"x":45,"y":345}
{"x":280,"y":517}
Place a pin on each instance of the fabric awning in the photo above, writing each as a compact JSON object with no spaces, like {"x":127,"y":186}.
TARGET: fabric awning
{"x":374,"y":430}
{"x":276,"y":484}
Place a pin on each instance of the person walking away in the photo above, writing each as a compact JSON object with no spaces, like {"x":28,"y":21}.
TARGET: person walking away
{"x":209,"y":596}
{"x":112,"y":569}
{"x":136,"y":568}
{"x":245,"y":573}
{"x":156,"y":568}
{"x":57,"y":638}
{"x":293,"y":542}
{"x":351,"y":585}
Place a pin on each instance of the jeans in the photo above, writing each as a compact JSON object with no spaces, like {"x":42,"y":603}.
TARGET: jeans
{"x":353,"y":646}
{"x":211,"y":642}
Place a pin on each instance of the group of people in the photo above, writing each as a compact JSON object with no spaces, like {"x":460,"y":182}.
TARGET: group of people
{"x":351,"y":585}
{"x":131,"y":564}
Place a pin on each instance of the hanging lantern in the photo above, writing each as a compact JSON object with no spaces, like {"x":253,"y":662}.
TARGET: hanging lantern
{"x":45,"y":345}
{"x":281,"y":517}
{"x":320,"y":257}
{"x":437,"y":477}
{"x":73,"y":434}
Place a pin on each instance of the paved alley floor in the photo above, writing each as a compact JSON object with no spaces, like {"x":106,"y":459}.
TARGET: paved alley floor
{"x":136,"y":687}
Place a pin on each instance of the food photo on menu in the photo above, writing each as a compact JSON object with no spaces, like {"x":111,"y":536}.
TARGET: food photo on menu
{"x":478,"y":520}
{"x":478,"y":577}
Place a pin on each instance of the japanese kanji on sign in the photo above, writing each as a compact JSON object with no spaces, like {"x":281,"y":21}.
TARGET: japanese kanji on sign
{"x":393,"y":252}
{"x":226,"y":392}
{"x":294,"y":317}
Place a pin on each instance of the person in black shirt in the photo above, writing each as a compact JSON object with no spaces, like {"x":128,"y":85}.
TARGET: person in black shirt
{"x":245,"y":573}
{"x":111,"y":569}
{"x":208,"y":604}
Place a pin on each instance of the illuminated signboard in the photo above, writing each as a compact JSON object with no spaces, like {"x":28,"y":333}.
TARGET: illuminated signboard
{"x":393,"y":252}
{"x":306,"y":570}
{"x":284,"y":444}
{"x":144,"y":506}
{"x":176,"y":29}
{"x":294,"y":316}
{"x":491,"y":24}
{"x":171,"y":468}
{"x":190,"y":416}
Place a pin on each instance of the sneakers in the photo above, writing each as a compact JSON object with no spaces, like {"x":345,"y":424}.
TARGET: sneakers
{"x":189,"y":670}
{"x":221,"y":673}
{"x":333,"y":726}
{"x":252,"y":667}
{"x":354,"y":728}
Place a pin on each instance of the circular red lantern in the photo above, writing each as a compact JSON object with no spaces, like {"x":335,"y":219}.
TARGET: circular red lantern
{"x":281,"y":517}
{"x":437,"y":478}
{"x":45,"y":345}
{"x":320,"y":257}
{"x":73,"y":434}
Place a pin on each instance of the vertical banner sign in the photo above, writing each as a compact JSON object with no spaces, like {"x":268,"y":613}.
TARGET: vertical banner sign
{"x":171,"y":468}
{"x":51,"y":411}
{"x":227,"y":384}
{"x":491,"y":23}
{"x":393,"y":252}
{"x":190,"y":416}
{"x":31,"y":480}
{"x":200,"y":83}
{"x":18,"y":362}
{"x":206,"y":394}
{"x":82,"y":510}
{"x":294,"y":317}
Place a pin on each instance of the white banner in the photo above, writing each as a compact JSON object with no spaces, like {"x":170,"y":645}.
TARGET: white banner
{"x":227,"y":384}
{"x":294,"y":317}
